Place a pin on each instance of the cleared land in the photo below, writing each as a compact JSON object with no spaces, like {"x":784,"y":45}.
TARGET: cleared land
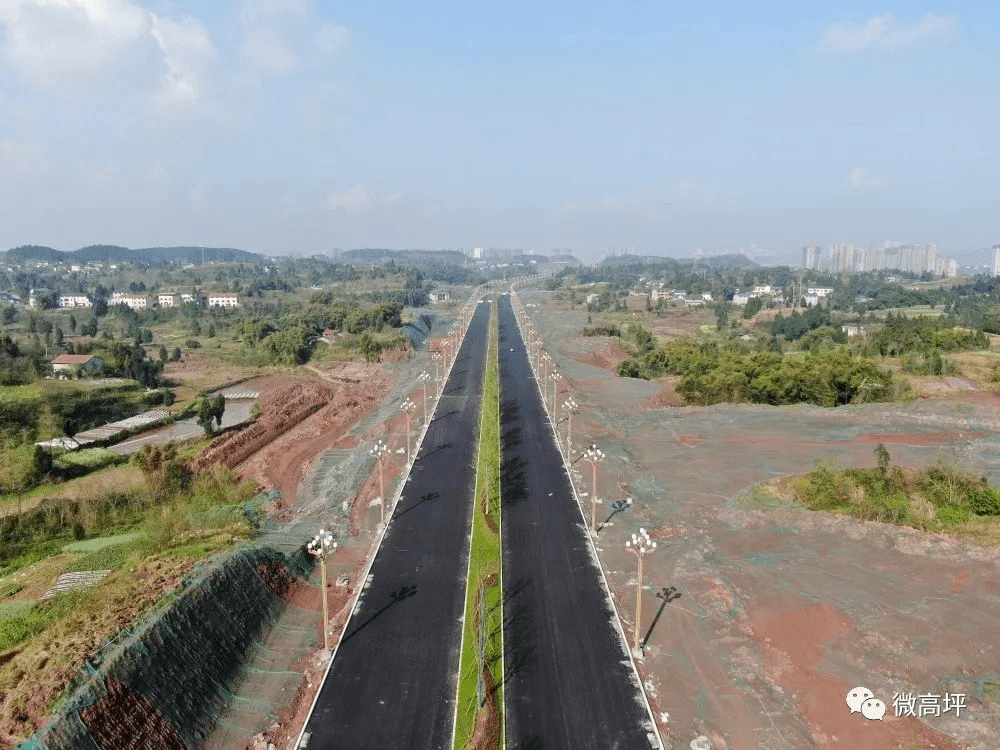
{"x":784,"y":610}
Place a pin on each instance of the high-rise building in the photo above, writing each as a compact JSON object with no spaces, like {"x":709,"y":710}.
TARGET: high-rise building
{"x":996,"y":260}
{"x":810,"y":257}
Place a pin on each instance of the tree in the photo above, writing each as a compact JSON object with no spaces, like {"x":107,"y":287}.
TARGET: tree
{"x":72,"y":323}
{"x":89,"y":328}
{"x":754,"y":305}
{"x":59,"y":337}
{"x":211,"y":409}
{"x":211,"y":330}
{"x":882,"y":459}
{"x":10,"y":314}
{"x":721,"y":316}
{"x":175,"y":355}
{"x":163,"y":354}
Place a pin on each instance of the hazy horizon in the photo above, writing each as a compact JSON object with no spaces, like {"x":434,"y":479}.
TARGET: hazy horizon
{"x":281,"y":127}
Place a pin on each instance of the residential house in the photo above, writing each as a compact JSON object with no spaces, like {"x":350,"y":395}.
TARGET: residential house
{"x":135,"y":301}
{"x":223,"y":299}
{"x":75,"y":300}
{"x":168,"y":299}
{"x":69,"y":363}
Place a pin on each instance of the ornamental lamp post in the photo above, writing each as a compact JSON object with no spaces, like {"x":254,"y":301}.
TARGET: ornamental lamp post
{"x":569,"y":405}
{"x":380,"y":451}
{"x":555,"y":377}
{"x":408,"y":406}
{"x":437,"y":357}
{"x":423,"y":377}
{"x":639,"y":545}
{"x":322,"y":545}
{"x":594,"y":455}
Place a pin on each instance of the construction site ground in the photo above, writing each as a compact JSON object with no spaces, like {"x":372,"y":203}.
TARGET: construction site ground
{"x":322,"y":466}
{"x":783,"y":611}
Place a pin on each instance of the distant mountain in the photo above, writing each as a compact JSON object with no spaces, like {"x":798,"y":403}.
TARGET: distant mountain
{"x":106,"y":253}
{"x":36,"y":252}
{"x":375,"y":255}
{"x":725,"y":262}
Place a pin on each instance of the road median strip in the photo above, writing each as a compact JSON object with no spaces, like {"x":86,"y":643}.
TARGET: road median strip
{"x":479,"y":711}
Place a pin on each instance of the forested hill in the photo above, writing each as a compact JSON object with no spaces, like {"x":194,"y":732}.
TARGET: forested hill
{"x":376,"y":255}
{"x":105,"y":253}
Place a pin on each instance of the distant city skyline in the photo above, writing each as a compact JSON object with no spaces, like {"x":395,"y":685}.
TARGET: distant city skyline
{"x":293,"y":126}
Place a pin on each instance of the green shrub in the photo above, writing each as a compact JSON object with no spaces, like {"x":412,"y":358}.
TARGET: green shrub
{"x":951,"y":515}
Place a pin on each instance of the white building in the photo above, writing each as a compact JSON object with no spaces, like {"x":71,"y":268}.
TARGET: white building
{"x":762,"y":289}
{"x":996,"y":260}
{"x":820,"y":291}
{"x":741,"y":298}
{"x":135,"y":301}
{"x":168,"y":299}
{"x":75,"y":300}
{"x":439,"y":296}
{"x":219,"y":299}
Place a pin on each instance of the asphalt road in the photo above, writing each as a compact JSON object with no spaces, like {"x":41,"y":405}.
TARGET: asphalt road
{"x":569,"y":682}
{"x":392,"y":682}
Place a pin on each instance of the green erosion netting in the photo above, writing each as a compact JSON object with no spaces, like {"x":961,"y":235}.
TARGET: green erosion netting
{"x":175,"y":672}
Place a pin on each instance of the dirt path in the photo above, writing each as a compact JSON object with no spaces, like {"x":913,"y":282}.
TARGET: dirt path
{"x":782,"y":611}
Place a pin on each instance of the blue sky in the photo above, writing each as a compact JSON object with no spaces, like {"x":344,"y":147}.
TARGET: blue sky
{"x":297,"y":126}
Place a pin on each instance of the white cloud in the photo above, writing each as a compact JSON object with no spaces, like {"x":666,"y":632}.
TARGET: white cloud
{"x":886,"y":33}
{"x":351,"y":200}
{"x":862,"y":179}
{"x":267,"y":51}
{"x":187,"y":51}
{"x":74,"y":44}
{"x":69,"y":42}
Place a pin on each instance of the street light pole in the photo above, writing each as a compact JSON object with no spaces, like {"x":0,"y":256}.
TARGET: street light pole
{"x":437,"y":357}
{"x":555,"y":377}
{"x":423,"y":378}
{"x":380,"y":451}
{"x":321,"y":545}
{"x":639,"y":545}
{"x":595,"y":455}
{"x":408,"y":406}
{"x":569,"y":405}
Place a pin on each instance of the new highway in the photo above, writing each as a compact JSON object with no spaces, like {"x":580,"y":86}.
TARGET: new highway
{"x":392,"y":681}
{"x":569,"y":679}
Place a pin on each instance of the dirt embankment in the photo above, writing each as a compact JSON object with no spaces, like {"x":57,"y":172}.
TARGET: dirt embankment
{"x":282,"y":409}
{"x":287,"y":458}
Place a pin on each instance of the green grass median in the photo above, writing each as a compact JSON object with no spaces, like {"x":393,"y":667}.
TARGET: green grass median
{"x":479,"y":722}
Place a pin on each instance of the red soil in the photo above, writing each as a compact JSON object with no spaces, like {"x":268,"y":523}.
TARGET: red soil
{"x":794,"y":642}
